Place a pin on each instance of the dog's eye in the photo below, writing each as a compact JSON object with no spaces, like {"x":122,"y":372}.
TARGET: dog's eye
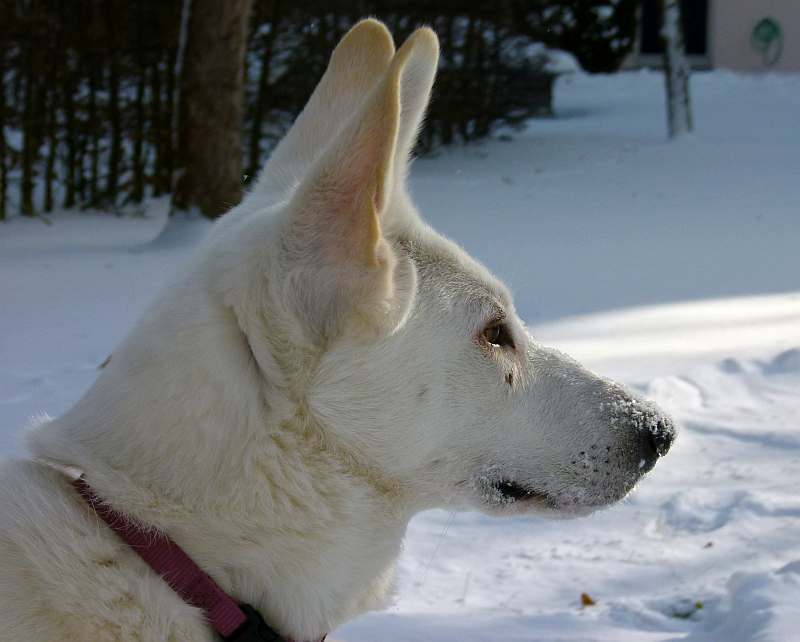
{"x":497,"y":334}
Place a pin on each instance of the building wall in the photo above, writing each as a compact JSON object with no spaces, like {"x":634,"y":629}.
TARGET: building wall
{"x":731,"y":26}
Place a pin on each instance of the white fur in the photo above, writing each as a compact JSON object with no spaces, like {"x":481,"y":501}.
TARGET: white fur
{"x":312,"y":379}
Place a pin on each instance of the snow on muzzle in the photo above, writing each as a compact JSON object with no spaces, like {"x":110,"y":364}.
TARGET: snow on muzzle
{"x":654,"y":430}
{"x":624,"y":441}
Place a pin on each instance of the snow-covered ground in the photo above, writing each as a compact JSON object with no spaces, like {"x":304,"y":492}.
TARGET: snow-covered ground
{"x":672,"y":266}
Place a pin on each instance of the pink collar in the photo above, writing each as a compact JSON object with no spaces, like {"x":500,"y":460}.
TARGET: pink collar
{"x":233,"y":621}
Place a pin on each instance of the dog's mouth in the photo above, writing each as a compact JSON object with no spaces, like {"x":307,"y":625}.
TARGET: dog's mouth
{"x":500,"y":494}
{"x":512,"y":492}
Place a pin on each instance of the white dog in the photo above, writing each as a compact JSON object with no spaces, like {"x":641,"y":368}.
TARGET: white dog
{"x":326,"y":367}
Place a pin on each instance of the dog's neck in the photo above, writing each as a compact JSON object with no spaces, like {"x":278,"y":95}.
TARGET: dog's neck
{"x":249,"y":490}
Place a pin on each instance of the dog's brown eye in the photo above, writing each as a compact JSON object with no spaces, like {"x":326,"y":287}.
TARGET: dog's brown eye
{"x":498,"y":334}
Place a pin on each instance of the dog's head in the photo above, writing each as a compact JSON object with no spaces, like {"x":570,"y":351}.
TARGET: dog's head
{"x":403,"y":353}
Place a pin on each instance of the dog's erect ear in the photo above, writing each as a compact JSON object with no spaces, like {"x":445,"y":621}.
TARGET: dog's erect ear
{"x":416,"y":92}
{"x":357,"y":64}
{"x":340,"y":265}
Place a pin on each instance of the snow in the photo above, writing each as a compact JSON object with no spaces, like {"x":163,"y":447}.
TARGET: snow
{"x":521,"y":51}
{"x":671,"y":266}
{"x":561,"y":62}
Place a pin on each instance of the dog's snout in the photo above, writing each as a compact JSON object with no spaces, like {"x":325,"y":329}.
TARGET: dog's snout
{"x":650,"y":431}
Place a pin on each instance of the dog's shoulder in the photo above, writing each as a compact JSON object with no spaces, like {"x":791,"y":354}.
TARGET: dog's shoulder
{"x":66,"y":577}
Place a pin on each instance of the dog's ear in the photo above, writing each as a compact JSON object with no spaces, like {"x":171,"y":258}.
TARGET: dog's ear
{"x":341,"y":267}
{"x":356,"y":66}
{"x":416,"y":92}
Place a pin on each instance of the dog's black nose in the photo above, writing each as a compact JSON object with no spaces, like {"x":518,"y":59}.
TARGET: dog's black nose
{"x":662,"y":437}
{"x":656,"y":441}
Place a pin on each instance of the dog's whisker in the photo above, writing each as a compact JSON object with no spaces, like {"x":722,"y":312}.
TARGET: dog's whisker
{"x":439,"y":541}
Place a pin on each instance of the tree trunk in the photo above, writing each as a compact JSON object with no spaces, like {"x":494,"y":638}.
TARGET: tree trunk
{"x":92,"y":124}
{"x":156,"y":128}
{"x":115,"y":155}
{"x":169,"y":135}
{"x":70,"y":134}
{"x":137,"y":191}
{"x":468,"y":53}
{"x":449,"y":126}
{"x":52,"y":146}
{"x":676,"y":72}
{"x":29,"y":139}
{"x":81,"y":138}
{"x":482,"y":120}
{"x":175,"y":108}
{"x":212,"y":106}
{"x":260,"y":107}
{"x":3,"y":179}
